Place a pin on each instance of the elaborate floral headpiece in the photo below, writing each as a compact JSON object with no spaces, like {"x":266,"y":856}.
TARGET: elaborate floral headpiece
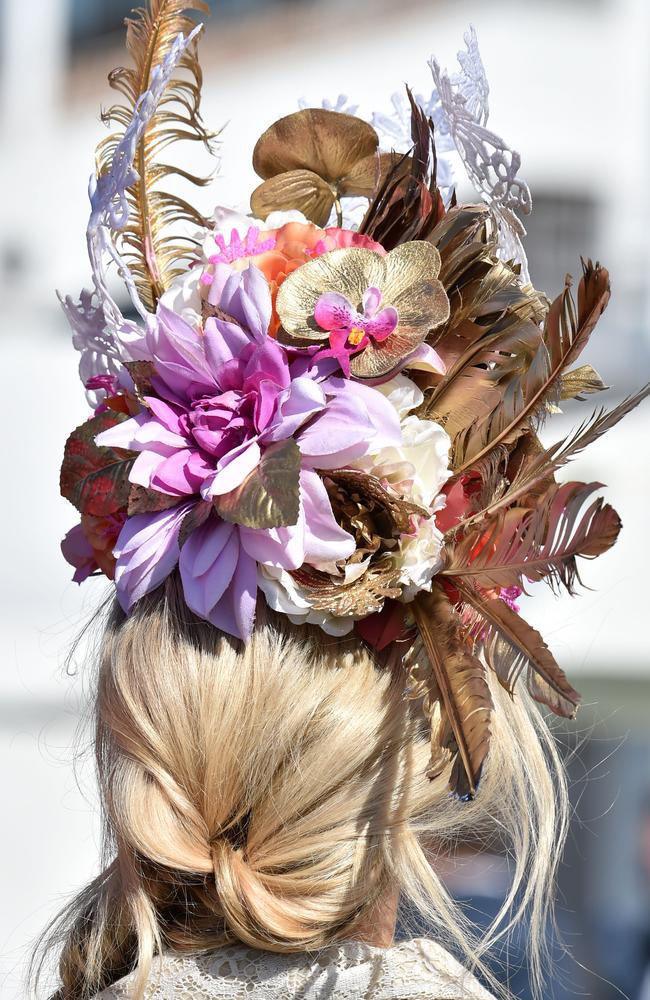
{"x":340,"y":414}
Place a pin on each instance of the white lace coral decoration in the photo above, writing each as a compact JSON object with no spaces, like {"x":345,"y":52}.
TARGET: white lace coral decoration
{"x":491,"y":165}
{"x":459,"y":109}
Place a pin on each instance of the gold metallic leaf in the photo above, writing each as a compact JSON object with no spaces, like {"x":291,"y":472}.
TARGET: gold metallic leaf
{"x":407,"y":278}
{"x":269,"y":497}
{"x":142,"y":372}
{"x":411,"y":286}
{"x":579,"y":382}
{"x":296,"y":189}
{"x":326,"y":142}
{"x":367,"y":174}
{"x":360,"y":598}
{"x":144,"y":501}
{"x":367,"y":489}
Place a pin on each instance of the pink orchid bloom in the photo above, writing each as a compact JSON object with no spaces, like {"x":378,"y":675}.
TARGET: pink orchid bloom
{"x":350,"y":331}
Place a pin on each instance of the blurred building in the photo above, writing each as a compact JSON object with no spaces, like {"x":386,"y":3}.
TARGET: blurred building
{"x":570,"y":89}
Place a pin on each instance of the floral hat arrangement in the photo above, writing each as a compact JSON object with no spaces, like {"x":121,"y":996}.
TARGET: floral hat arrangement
{"x":334,"y":401}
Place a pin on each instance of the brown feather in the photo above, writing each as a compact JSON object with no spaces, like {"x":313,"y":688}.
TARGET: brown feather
{"x":535,"y":543}
{"x":511,"y":645}
{"x":154,"y":253}
{"x":538,"y":465}
{"x":505,"y":380}
{"x":407,"y":205}
{"x":457,"y":680}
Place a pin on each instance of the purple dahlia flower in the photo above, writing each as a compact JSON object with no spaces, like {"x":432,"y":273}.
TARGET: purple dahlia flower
{"x":223,"y":397}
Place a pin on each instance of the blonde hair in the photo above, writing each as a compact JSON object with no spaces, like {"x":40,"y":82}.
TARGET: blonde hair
{"x":272,"y":792}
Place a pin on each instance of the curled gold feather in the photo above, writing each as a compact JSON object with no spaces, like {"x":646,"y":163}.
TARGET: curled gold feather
{"x":154,"y":254}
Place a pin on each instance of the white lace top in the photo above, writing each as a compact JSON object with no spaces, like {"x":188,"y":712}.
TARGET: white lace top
{"x":411,"y":970}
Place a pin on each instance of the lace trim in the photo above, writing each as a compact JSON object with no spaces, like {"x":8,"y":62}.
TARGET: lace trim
{"x":412,"y":970}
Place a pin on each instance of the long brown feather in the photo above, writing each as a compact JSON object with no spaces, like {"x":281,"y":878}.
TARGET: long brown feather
{"x":457,"y":679}
{"x":540,"y":464}
{"x":542,"y":542}
{"x":154,"y":254}
{"x":494,"y":391}
{"x":511,"y":645}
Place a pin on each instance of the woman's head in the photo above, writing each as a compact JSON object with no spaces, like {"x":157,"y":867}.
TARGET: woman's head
{"x":272,"y":792}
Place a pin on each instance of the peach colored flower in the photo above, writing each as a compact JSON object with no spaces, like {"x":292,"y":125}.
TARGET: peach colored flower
{"x":295,"y":244}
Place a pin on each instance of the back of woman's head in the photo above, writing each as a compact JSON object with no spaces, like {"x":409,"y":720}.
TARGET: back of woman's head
{"x":272,"y":792}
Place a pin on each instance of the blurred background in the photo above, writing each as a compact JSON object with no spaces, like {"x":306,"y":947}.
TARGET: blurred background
{"x":570,"y":89}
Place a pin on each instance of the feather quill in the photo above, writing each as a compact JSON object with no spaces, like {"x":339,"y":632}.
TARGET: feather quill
{"x":155,"y":254}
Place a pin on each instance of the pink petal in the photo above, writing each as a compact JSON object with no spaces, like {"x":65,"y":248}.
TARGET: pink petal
{"x":207,"y":564}
{"x":371,"y":301}
{"x":325,"y":540}
{"x":334,"y":311}
{"x":146,"y":464}
{"x":283,"y":547}
{"x":167,"y":413}
{"x":383,"y":324}
{"x":232,"y":469}
{"x":175,"y":474}
{"x":235,"y":612}
{"x":426,"y":359}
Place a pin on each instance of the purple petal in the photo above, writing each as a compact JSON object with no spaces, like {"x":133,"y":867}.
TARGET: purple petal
{"x":280,"y":547}
{"x":179,"y":354}
{"x":232,"y":469}
{"x":152,"y":431}
{"x":247,"y":298}
{"x":235,"y":612}
{"x":268,"y":361}
{"x":223,"y":342}
{"x":178,"y":474}
{"x":267,"y":396}
{"x":297,"y":404}
{"x":340,"y":433}
{"x":78,"y":551}
{"x":371,"y":301}
{"x":122,"y":435}
{"x":147,"y":552}
{"x":207,"y":564}
{"x":379,"y":411}
{"x":169,"y":414}
{"x":221,"y":274}
{"x":325,"y":540}
{"x":334,"y":311}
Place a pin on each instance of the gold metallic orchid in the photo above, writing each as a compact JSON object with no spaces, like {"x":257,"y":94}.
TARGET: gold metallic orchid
{"x":311,"y":159}
{"x":407,"y":279}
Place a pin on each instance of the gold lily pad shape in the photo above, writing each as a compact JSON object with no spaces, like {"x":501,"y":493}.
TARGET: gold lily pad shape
{"x":312,"y":158}
{"x":407,"y":278}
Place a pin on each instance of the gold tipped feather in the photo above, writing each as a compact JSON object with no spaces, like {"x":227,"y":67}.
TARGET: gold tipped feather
{"x":153,"y":252}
